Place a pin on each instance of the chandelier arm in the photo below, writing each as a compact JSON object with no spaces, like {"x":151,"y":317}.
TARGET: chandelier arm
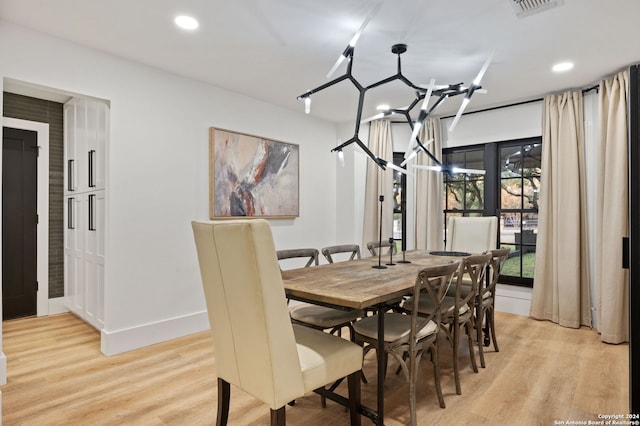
{"x":410,"y":107}
{"x":437,"y":104}
{"x":409,"y":83}
{"x":426,"y":151}
{"x":344,"y":145}
{"x":379,"y":161}
{"x":361,"y":93}
{"x":324,"y":86}
{"x":384,"y":81}
{"x":407,"y":116}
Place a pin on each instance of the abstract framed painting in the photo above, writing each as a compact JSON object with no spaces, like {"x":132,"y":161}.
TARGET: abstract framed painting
{"x":251,"y":176}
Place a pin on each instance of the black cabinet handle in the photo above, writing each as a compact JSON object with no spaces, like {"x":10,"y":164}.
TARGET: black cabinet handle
{"x":92,"y":212}
{"x":92,"y":181}
{"x":70,"y":177}
{"x":70,"y":213}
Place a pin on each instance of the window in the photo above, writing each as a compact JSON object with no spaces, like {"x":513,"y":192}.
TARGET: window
{"x":519,"y":165}
{"x":464,"y":193}
{"x":509,"y":190}
{"x":399,"y":201}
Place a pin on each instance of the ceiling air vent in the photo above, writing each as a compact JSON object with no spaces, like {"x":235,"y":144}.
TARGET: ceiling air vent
{"x":525,"y":8}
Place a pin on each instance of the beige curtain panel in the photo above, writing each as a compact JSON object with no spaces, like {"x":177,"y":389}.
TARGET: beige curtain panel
{"x":561,"y":285}
{"x":379,"y":182}
{"x":612,"y":221}
{"x":429,"y":216}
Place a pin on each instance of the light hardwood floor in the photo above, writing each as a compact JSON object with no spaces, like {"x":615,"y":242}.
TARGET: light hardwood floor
{"x":543,"y":373}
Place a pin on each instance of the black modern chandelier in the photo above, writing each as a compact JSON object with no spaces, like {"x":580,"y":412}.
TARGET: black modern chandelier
{"x":423,"y":95}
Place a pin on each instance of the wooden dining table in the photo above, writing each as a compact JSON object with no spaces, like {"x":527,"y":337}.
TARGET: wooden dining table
{"x":359,"y":284}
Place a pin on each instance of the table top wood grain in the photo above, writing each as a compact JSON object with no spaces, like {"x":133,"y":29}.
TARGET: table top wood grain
{"x":356,"y":284}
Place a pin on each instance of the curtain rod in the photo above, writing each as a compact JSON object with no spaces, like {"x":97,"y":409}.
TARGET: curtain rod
{"x":584,"y":91}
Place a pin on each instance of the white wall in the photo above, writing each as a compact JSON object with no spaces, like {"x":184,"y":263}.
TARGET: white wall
{"x":502,"y":124}
{"x":157,"y":178}
{"x":350,"y":187}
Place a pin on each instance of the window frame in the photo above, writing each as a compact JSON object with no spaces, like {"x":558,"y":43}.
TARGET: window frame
{"x":492,"y":193}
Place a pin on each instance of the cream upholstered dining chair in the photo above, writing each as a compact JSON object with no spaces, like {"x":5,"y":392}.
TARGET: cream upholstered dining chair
{"x":458,"y":311}
{"x":485,"y":305}
{"x":316,"y":316}
{"x":412,"y":335}
{"x":352,"y":250}
{"x":257,"y":348}
{"x":472,"y":234}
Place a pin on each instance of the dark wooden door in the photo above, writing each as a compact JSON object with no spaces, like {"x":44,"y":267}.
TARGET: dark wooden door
{"x":19,"y":222}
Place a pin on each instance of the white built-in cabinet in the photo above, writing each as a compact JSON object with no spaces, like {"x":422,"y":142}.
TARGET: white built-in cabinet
{"x":86,"y":131}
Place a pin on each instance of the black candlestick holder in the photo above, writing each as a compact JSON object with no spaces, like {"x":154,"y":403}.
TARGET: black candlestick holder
{"x":390,"y":252}
{"x":380,"y":265}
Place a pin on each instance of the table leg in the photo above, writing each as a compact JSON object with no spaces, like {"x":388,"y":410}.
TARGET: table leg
{"x":380,"y":357}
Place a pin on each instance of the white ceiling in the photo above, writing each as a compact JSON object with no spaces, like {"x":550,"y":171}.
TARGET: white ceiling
{"x":275,"y":50}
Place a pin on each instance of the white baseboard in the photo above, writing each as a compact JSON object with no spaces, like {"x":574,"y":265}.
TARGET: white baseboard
{"x":513,"y":299}
{"x":114,"y":342}
{"x":56,"y":306}
{"x":3,"y":369}
{"x":51,"y":306}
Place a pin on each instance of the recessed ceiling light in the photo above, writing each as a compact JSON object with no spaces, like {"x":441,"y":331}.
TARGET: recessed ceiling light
{"x":186,"y":22}
{"x":562,"y":66}
{"x":383,"y":107}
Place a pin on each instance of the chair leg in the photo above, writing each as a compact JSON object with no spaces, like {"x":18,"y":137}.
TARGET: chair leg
{"x":456,"y":344}
{"x":492,"y":326}
{"x":224,"y":394}
{"x":278,"y":417}
{"x":485,"y":327}
{"x":472,"y":356}
{"x":436,"y":372}
{"x":479,"y":333}
{"x":413,"y":378}
{"x":355,"y":406}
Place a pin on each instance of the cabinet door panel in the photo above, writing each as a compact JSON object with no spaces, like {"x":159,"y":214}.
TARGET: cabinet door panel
{"x":94,"y":227}
{"x":74,"y":255}
{"x":80,"y":160}
{"x":102,"y":135}
{"x":94,"y":257}
{"x":86,"y":129}
{"x":97,"y":131}
{"x":94,"y":291}
{"x":70,"y":164}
